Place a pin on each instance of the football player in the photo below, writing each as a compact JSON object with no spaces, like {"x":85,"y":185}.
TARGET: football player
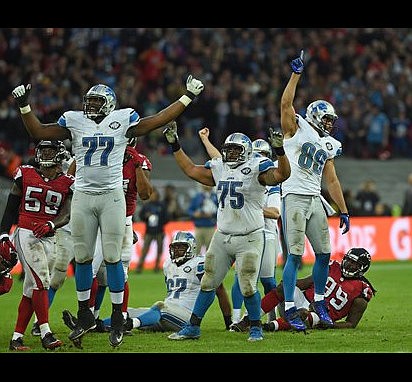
{"x":240,"y":179}
{"x":99,"y":135}
{"x":41,"y":199}
{"x":183,"y":271}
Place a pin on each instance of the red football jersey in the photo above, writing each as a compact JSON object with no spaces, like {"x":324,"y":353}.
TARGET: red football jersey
{"x":42,"y":198}
{"x":129,"y":176}
{"x":340,"y":292}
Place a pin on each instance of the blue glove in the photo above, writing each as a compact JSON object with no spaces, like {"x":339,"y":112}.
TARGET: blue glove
{"x":344,"y":221}
{"x":297,"y":64}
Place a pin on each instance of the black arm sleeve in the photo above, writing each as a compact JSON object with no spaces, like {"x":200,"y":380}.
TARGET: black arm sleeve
{"x":10,"y":213}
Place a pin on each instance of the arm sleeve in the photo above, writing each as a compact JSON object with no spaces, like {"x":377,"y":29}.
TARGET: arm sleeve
{"x":10,"y":213}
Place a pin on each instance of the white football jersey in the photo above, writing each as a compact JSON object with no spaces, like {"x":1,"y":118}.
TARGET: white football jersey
{"x":272,"y":199}
{"x":241,"y":197}
{"x":307,"y":153}
{"x":183,"y":282}
{"x":99,"y":147}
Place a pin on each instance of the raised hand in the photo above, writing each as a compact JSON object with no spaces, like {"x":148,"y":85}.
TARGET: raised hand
{"x":21,"y":95}
{"x":297,"y":64}
{"x":275,"y":138}
{"x":170,"y":132}
{"x":194,"y":87}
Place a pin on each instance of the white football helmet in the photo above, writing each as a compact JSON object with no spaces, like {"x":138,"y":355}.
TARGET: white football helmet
{"x":99,"y":101}
{"x":262,"y":147}
{"x":321,"y":114}
{"x":50,"y":153}
{"x":236,"y":149}
{"x":182,"y":248}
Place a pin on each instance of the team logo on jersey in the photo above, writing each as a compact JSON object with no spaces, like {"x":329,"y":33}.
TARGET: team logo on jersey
{"x":329,"y":146}
{"x":246,"y":170}
{"x":187,"y":269}
{"x":114,"y":125}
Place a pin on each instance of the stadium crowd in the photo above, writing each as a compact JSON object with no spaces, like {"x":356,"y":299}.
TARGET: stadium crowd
{"x":364,"y":72}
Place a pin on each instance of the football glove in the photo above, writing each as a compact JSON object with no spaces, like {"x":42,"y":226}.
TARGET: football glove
{"x":21,"y":95}
{"x":194,"y":87}
{"x":46,"y":229}
{"x":170,"y":132}
{"x":275,"y":138}
{"x":6,"y":281}
{"x":297,"y":64}
{"x":344,"y":221}
{"x":8,"y":254}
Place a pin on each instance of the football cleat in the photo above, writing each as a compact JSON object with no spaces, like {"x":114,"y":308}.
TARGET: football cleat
{"x":115,"y":337}
{"x":18,"y":345}
{"x":188,"y":332}
{"x":69,"y":320}
{"x":255,"y":334}
{"x":241,"y":326}
{"x":50,"y":342}
{"x":85,"y":322}
{"x":292,"y":316}
{"x":268,"y":327}
{"x":35,"y":330}
{"x":319,"y":307}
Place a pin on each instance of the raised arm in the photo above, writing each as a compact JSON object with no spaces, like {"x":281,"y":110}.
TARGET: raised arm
{"x":147,"y":124}
{"x":287,"y":111}
{"x":34,"y":127}
{"x":282,"y":172}
{"x":196,"y":172}
{"x":212,"y":151}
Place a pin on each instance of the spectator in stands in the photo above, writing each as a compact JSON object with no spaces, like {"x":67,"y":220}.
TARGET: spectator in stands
{"x":367,"y":197}
{"x":407,"y":202}
{"x":154,"y":215}
{"x":171,"y":201}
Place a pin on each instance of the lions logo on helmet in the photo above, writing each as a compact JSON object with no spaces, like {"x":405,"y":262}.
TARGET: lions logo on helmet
{"x":182,"y":248}
{"x":321,"y":114}
{"x":50,"y":153}
{"x":99,"y":101}
{"x":262,"y":147}
{"x":236,"y":149}
{"x":355,"y":263}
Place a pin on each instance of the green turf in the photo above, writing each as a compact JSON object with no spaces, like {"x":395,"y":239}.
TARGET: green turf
{"x":385,"y":328}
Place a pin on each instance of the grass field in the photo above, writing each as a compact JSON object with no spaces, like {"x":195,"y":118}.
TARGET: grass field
{"x":385,"y":328}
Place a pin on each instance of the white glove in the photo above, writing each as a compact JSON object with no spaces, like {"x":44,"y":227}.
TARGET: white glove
{"x":194,"y":86}
{"x":170,"y":132}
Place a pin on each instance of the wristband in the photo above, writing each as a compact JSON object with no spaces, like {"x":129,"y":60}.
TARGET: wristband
{"x":52,"y":225}
{"x":175,"y":146}
{"x":25,"y":109}
{"x":185,"y":100}
{"x":279,"y":151}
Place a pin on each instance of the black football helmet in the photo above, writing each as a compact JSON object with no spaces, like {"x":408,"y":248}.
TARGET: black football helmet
{"x":182,"y":248}
{"x":50,"y":153}
{"x":355,"y":263}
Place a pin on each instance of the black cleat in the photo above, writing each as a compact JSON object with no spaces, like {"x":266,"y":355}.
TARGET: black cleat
{"x":100,"y":326}
{"x":35,"y":330}
{"x":242,"y":326}
{"x":116,"y":330}
{"x":85,"y":323}
{"x":50,"y":342}
{"x":69,"y":320}
{"x":18,"y":345}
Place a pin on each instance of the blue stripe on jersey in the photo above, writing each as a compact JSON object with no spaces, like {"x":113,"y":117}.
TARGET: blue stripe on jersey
{"x":274,"y":190}
{"x":265,"y":165}
{"x":134,"y":117}
{"x":62,"y":121}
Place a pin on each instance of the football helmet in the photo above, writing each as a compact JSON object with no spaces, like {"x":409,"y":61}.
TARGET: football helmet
{"x":182,"y":248}
{"x":321,"y":114}
{"x":99,"y":101}
{"x":236,"y":149}
{"x":50,"y":153}
{"x":355,"y":263}
{"x":262,"y":147}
